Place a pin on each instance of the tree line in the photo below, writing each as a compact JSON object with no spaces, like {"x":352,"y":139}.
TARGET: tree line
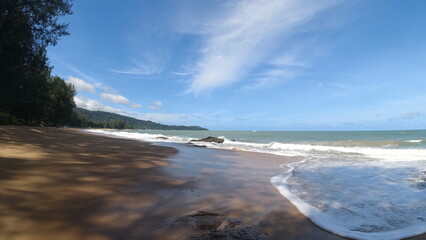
{"x":29,"y":94}
{"x":101,"y":119}
{"x":81,"y":120}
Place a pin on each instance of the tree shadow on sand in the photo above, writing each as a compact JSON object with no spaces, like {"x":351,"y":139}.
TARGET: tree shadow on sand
{"x":60,"y":184}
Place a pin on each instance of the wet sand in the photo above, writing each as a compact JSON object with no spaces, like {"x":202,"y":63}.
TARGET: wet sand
{"x":66,"y":184}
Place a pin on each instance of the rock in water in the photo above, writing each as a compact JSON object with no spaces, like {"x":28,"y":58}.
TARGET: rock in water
{"x":209,"y":139}
{"x":194,"y":145}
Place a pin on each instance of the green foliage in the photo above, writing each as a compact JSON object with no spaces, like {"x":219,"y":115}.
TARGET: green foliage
{"x":27,"y":27}
{"x":101,"y":119}
{"x":79,"y":120}
{"x":7,"y":119}
{"x":117,"y":124}
{"x":61,"y":101}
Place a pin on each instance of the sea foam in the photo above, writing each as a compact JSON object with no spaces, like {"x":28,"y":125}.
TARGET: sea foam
{"x":359,"y":199}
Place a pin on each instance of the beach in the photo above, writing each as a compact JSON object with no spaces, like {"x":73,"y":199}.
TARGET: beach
{"x":60,"y":183}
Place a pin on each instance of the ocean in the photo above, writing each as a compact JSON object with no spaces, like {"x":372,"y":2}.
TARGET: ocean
{"x":358,"y":184}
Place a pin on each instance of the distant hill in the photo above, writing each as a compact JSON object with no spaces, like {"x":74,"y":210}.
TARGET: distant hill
{"x":101,"y":116}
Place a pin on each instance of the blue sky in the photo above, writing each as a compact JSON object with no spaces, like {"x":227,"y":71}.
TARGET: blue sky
{"x":250,"y":65}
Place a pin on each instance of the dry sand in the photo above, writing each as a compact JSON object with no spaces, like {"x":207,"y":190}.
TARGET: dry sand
{"x":66,"y":184}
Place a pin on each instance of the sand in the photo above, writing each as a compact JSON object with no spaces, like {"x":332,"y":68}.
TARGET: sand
{"x":66,"y":184}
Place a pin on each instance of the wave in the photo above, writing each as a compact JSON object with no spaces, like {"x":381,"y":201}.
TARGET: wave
{"x":312,"y":150}
{"x":414,"y":141}
{"x":350,"y":143}
{"x":149,"y":137}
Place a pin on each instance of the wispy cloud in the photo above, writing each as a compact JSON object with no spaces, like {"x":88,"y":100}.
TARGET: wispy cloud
{"x":115,"y":98}
{"x":95,"y":105}
{"x":248,"y":36}
{"x":156,"y":105}
{"x":81,"y":85}
{"x":119,"y":99}
{"x":93,"y":81}
{"x":135,"y":105}
{"x":138,"y":69}
{"x":289,"y":60}
{"x":80,"y":73}
{"x":268,"y":78}
{"x":182,"y":73}
{"x":151,"y":45}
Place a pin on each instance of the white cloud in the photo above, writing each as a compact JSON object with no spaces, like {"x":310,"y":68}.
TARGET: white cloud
{"x":156,"y":105}
{"x":165,"y":118}
{"x":269,"y":78}
{"x":140,"y":70}
{"x":135,"y":105}
{"x":105,"y":88}
{"x":80,"y":73}
{"x":81,"y":85}
{"x":94,"y":105}
{"x":109,"y":94}
{"x":247,"y":36}
{"x":96,"y":84}
{"x":115,"y":98}
{"x":182,"y":73}
{"x":289,"y":60}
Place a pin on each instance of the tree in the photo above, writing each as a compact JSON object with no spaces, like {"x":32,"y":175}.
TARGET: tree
{"x":27,"y":27}
{"x":61,"y":101}
{"x":117,"y":124}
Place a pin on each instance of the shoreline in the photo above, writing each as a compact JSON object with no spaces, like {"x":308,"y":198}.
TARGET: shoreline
{"x":74,"y":184}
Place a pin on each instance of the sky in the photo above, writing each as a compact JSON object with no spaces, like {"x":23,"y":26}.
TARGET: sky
{"x":250,"y":64}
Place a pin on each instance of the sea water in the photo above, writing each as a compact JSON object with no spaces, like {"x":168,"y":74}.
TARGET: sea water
{"x":358,"y":184}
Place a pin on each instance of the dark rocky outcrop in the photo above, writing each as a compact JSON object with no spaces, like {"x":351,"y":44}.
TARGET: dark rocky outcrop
{"x":163,"y":138}
{"x":216,"y":226}
{"x":209,"y":139}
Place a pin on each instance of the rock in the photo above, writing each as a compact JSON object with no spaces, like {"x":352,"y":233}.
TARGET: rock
{"x":209,"y":139}
{"x":216,"y":226}
{"x":163,"y":138}
{"x":206,"y":220}
{"x":194,"y":145}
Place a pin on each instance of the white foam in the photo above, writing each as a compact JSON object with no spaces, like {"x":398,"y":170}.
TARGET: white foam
{"x":359,"y":199}
{"x":142,"y":136}
{"x":287,"y":149}
{"x":319,"y":151}
{"x":414,"y":141}
{"x":377,"y":153}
